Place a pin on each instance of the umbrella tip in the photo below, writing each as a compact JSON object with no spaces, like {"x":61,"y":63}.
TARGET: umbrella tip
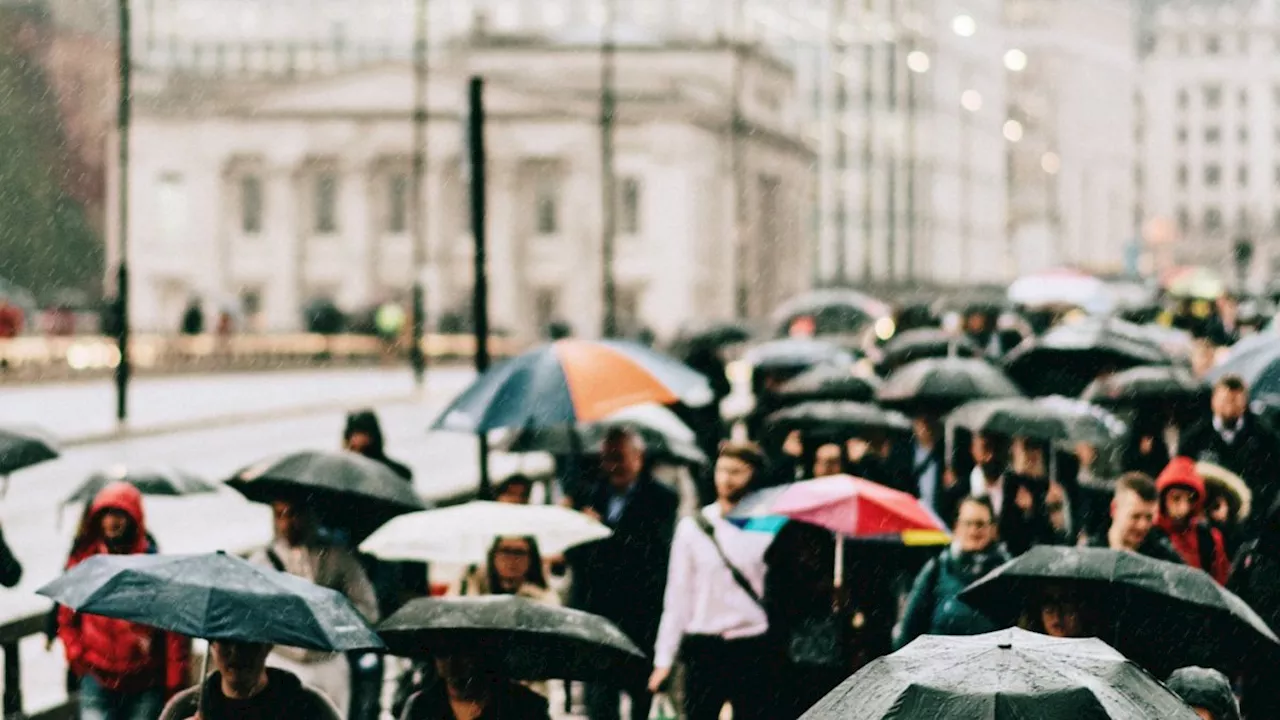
{"x":221,"y":552}
{"x":1005,"y":646}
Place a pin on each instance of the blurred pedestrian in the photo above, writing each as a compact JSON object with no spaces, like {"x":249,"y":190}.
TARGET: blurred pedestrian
{"x":363,"y":435}
{"x":1133,"y":513}
{"x":990,"y":457}
{"x":933,"y":607}
{"x":1255,"y":577}
{"x":1208,"y":692}
{"x":1024,"y":518}
{"x":11,"y":319}
{"x":243,"y":687}
{"x":1063,"y":611}
{"x":713,"y":614}
{"x":299,"y":549}
{"x":471,"y":688}
{"x":516,"y":489}
{"x":513,"y":567}
{"x":923,"y":471}
{"x":125,"y":671}
{"x":193,"y":317}
{"x":622,"y":577}
{"x":1180,"y":518}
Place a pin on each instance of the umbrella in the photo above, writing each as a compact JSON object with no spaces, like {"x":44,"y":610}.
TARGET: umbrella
{"x":149,"y":481}
{"x":1005,"y":675}
{"x":715,"y":335}
{"x":828,"y":382}
{"x":529,"y":640}
{"x":572,"y":381}
{"x":1023,"y":417}
{"x":463,"y":534}
{"x":22,"y":447}
{"x":1195,"y":282}
{"x":834,"y":311}
{"x":839,"y":416}
{"x":926,"y":343}
{"x":664,"y":434}
{"x":214,"y":597}
{"x":1068,"y":357}
{"x":1156,"y":384}
{"x":1061,"y":288}
{"x":939,"y":385}
{"x":795,"y":354}
{"x":361,"y":492}
{"x":1160,"y":613}
{"x":1257,"y":362}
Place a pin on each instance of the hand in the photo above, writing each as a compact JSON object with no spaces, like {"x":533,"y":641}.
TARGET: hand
{"x":593,"y":514}
{"x":1024,"y":500}
{"x":1146,"y":445}
{"x":658,"y":679}
{"x":857,"y":449}
{"x":1087,"y":454}
{"x":794,"y":444}
{"x":949,"y":478}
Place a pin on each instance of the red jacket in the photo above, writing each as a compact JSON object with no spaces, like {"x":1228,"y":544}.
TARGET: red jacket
{"x":1181,"y":472}
{"x":122,"y":656}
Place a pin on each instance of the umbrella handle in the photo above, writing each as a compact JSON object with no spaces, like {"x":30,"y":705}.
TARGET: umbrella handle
{"x":838,"y":580}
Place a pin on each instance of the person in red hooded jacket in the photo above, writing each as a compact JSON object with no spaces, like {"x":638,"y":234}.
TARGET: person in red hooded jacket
{"x":1181,"y":518}
{"x":126,"y":671}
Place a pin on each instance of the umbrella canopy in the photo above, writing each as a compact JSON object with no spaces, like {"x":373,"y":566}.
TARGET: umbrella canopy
{"x":939,"y":385}
{"x":715,"y":335}
{"x":1196,"y":282}
{"x":22,"y":447}
{"x":1151,"y":384}
{"x":463,"y":534}
{"x":363,"y":492}
{"x":795,"y":354}
{"x":828,"y":382}
{"x":1061,"y":288}
{"x":665,"y":435}
{"x":847,"y":505}
{"x":1157,"y":613}
{"x":1257,"y":362}
{"x":839,"y":416}
{"x":1023,"y":417}
{"x":572,"y":381}
{"x":926,"y":343}
{"x":214,"y":597}
{"x":528,"y":640}
{"x":1005,"y":675}
{"x":834,"y":310}
{"x":158,"y":480}
{"x":1069,"y":357}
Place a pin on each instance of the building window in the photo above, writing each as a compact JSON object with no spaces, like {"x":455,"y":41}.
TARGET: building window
{"x":1212,"y":135}
{"x":1212,"y":44}
{"x":629,"y":205}
{"x":326,"y":203}
{"x":171,"y":206}
{"x":1182,"y":176}
{"x":1184,"y":220}
{"x":1212,"y":175}
{"x":1184,"y":99}
{"x":1243,"y":97}
{"x":250,"y":301}
{"x":546,"y":306}
{"x":1182,"y":136}
{"x":627,"y":306}
{"x":1242,"y":176}
{"x":1212,"y":96}
{"x":1212,"y":219}
{"x":546,"y":214}
{"x":398,"y":203}
{"x":1242,"y":134}
{"x":251,"y":204}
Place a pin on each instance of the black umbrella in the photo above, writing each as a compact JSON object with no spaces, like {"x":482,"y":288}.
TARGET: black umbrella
{"x":149,"y":481}
{"x":926,"y":343}
{"x":834,"y":310}
{"x":939,"y":385}
{"x":1005,"y":675}
{"x":1152,"y":384}
{"x":1035,"y":420}
{"x":1161,"y":614}
{"x":795,"y":354}
{"x":828,"y":382}
{"x":363,"y":493}
{"x":529,"y":640}
{"x":22,"y":447}
{"x":714,"y":335}
{"x":214,"y":597}
{"x":839,"y":416}
{"x":1069,"y":357}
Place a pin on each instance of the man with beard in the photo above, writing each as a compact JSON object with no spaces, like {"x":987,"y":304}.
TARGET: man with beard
{"x":713,"y":613}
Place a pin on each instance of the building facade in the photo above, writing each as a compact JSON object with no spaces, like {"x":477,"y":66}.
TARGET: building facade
{"x":1209,"y":124}
{"x":267,"y":195}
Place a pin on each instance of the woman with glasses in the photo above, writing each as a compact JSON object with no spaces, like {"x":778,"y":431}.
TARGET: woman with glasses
{"x":932,"y":607}
{"x":513,"y":567}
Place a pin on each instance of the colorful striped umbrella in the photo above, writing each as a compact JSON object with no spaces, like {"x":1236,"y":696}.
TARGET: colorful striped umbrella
{"x":569,"y":382}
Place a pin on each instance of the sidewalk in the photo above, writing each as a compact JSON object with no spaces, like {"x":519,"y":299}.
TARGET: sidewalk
{"x":83,"y":413}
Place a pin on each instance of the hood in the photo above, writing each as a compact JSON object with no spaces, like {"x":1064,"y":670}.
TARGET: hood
{"x":1208,"y":689}
{"x":365,"y":421}
{"x":117,"y":496}
{"x":1181,"y":472}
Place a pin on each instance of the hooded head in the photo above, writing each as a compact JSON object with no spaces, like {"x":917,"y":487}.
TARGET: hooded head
{"x":1181,"y":490}
{"x":1206,"y":691}
{"x":114,"y":524}
{"x":363,"y":434}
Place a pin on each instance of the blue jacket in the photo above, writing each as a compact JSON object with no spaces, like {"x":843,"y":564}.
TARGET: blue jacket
{"x":934,"y":609}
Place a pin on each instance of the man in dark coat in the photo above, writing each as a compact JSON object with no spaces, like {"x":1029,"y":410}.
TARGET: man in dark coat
{"x":1238,"y":440}
{"x":623,"y":577}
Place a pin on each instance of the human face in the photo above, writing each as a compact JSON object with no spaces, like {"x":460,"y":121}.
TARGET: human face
{"x":827,"y":461}
{"x":115,"y":524}
{"x":359,"y":442}
{"x":466,"y":677}
{"x":292,"y":522}
{"x":1229,"y":405}
{"x":621,"y":460}
{"x":733,"y":479}
{"x":242,"y":664}
{"x":1061,"y":617}
{"x":1131,"y":518}
{"x":923,"y":429}
{"x":511,"y":560}
{"x":1220,"y":510}
{"x":514,"y":494}
{"x":1179,"y":504}
{"x":975,"y":529}
{"x":980,"y":450}
{"x":1204,"y":714}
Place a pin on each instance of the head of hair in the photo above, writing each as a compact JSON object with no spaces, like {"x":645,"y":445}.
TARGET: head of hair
{"x":622,"y":434}
{"x":534,"y":576}
{"x":1138,"y":483}
{"x":1231,"y":382}
{"x":512,"y":481}
{"x":979,"y":500}
{"x":745,"y":451}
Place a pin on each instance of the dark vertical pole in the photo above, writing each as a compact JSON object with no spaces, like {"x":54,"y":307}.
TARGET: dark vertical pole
{"x":741,"y":275}
{"x":608,"y":189}
{"x":123,"y":369}
{"x":418,"y":207}
{"x":480,"y":293}
{"x":911,"y":143}
{"x":868,"y":163}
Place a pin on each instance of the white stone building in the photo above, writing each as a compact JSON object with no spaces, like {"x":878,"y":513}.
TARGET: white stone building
{"x":1210,"y":134}
{"x":269,"y":194}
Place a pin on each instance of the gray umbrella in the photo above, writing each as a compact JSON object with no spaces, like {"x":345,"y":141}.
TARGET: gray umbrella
{"x":1005,"y":675}
{"x":22,"y":447}
{"x":157,"y":480}
{"x":939,"y":385}
{"x":836,"y":416}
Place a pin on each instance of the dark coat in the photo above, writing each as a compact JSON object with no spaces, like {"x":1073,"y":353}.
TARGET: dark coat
{"x":514,"y":702}
{"x":1254,"y":456}
{"x":1019,"y":531}
{"x":933,"y":607}
{"x":906,"y":477}
{"x":1156,"y":547}
{"x":624,"y":576}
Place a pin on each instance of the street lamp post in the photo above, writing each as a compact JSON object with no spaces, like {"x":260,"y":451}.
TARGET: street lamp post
{"x":742,"y":280}
{"x":123,"y":368}
{"x":608,"y":189}
{"x":417,"y":354}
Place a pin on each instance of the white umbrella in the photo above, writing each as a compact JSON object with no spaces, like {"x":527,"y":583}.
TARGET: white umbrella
{"x":463,"y":534}
{"x":1062,"y":287}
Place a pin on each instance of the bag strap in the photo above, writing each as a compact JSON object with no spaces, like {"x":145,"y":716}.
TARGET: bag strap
{"x":1208,"y":547}
{"x":705,"y":526}
{"x":275,"y":560}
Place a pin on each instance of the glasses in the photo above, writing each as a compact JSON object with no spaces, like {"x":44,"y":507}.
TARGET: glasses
{"x":975,"y":524}
{"x":513,"y":553}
